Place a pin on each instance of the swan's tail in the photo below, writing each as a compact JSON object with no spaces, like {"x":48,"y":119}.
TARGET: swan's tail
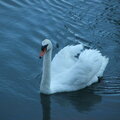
{"x":105,"y":61}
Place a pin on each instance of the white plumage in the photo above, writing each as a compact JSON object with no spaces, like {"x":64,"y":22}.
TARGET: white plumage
{"x":73,"y":68}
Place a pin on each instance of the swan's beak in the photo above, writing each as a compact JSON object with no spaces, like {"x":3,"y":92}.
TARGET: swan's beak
{"x":43,"y":51}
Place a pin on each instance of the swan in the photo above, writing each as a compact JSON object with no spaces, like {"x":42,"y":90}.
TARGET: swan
{"x":72,"y":68}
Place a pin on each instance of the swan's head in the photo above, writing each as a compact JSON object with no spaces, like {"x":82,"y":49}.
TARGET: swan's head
{"x":46,"y":46}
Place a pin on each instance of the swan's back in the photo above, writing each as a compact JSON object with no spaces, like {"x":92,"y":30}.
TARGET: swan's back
{"x":70,"y":73}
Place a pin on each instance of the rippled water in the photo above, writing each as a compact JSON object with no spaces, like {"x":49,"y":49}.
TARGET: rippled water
{"x":24,"y":24}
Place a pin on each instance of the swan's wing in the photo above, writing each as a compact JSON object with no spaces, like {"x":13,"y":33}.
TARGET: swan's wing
{"x":65,"y":58}
{"x":83,"y":73}
{"x":90,"y":66}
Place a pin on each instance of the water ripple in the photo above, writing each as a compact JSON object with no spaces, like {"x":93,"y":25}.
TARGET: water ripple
{"x":25,"y":23}
{"x":108,"y":86}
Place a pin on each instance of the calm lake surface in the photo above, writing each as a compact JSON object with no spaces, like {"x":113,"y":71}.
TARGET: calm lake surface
{"x":24,"y":24}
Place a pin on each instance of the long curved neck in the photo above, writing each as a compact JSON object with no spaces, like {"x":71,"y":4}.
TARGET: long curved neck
{"x":46,"y":76}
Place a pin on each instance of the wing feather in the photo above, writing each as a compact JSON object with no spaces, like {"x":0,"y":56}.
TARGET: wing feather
{"x":83,"y":73}
{"x":65,"y":59}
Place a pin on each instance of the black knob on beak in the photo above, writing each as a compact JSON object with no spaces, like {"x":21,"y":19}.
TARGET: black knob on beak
{"x":40,"y":57}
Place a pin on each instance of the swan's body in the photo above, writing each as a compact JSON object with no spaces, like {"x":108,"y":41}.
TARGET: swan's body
{"x":68,"y":71}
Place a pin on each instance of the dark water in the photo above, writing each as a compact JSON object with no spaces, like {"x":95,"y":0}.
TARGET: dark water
{"x":24,"y":24}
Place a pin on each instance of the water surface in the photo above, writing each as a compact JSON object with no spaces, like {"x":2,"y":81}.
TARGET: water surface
{"x":24,"y":24}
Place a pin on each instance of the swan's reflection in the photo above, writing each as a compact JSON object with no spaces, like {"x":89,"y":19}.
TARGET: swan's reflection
{"x":82,"y":100}
{"x":45,"y":101}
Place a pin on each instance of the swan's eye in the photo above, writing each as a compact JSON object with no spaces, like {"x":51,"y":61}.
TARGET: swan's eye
{"x":44,"y":47}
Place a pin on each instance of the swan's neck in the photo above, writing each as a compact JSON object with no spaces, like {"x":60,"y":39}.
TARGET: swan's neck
{"x":46,"y":75}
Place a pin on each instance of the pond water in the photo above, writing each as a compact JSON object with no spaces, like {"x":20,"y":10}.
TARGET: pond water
{"x":24,"y":24}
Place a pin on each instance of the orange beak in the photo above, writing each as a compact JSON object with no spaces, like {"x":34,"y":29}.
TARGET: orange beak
{"x":43,"y":51}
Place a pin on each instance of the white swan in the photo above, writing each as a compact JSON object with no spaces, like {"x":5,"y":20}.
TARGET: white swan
{"x":73,"y":68}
